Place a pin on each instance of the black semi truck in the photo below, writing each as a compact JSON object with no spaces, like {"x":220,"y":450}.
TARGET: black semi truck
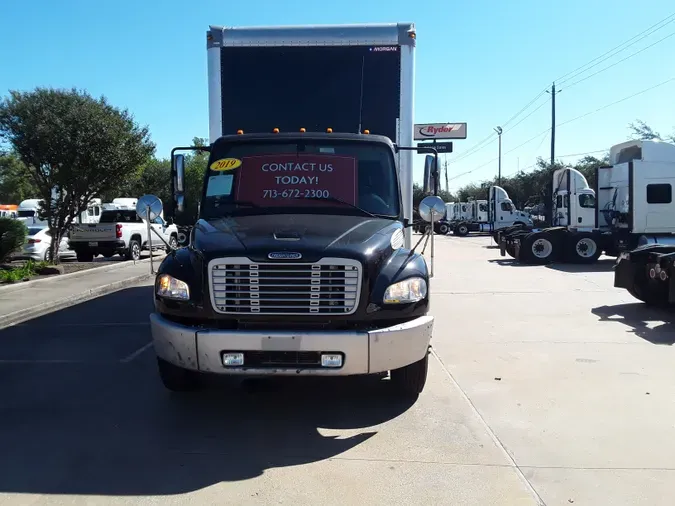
{"x":300,"y":261}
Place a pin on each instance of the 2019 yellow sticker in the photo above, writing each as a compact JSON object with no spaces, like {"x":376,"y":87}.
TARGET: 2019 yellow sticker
{"x":226,"y":164}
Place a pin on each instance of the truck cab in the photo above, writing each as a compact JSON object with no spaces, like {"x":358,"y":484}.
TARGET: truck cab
{"x":573,"y":200}
{"x":299,"y":261}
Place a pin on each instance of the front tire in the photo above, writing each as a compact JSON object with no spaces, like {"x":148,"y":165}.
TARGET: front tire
{"x":177,"y":379}
{"x":410,"y":380}
{"x":443,"y":229}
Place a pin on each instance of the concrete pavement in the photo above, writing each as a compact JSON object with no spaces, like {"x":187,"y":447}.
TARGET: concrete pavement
{"x":574,"y":377}
{"x":546,"y":384}
{"x":22,"y":301}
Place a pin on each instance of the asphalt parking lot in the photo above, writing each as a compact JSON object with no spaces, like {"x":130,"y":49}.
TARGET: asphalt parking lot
{"x":546,"y":385}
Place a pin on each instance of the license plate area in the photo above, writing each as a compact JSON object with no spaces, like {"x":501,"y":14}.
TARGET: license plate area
{"x":93,"y":243}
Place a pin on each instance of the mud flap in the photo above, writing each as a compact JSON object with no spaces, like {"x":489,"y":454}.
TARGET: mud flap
{"x":624,"y":273}
{"x":669,"y":266}
{"x":502,"y":246}
{"x":516,"y":249}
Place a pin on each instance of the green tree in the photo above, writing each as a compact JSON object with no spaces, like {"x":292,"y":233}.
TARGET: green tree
{"x":15,"y":182}
{"x":74,"y":147}
{"x":640,"y":130}
{"x":195,"y":170}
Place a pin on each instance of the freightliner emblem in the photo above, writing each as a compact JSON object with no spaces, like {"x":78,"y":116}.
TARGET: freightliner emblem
{"x":284,"y":255}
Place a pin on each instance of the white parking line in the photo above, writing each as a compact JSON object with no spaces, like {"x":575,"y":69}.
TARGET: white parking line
{"x":136,"y":354}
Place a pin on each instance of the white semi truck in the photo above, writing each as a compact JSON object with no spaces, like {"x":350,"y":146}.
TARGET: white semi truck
{"x":491,"y":215}
{"x":631,"y":206}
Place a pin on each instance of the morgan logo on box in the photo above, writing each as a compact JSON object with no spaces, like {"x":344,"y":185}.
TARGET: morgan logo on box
{"x":284,"y":255}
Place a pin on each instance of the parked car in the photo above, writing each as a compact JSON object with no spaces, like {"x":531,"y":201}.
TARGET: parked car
{"x":37,"y":245}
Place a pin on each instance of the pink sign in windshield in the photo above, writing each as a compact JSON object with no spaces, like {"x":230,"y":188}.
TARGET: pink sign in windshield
{"x":278,"y":180}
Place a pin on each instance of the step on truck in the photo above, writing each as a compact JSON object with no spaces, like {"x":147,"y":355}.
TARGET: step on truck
{"x":300,"y":261}
{"x":624,"y":211}
{"x":489,"y":216}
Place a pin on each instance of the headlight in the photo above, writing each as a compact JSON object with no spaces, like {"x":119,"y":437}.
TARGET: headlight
{"x":406,"y":291}
{"x":172,"y":288}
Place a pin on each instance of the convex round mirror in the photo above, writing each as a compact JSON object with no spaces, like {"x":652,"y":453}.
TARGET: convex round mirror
{"x":432,"y":205}
{"x":151,"y":202}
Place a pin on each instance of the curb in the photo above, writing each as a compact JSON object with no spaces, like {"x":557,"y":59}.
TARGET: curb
{"x":83,"y":272}
{"x":49,"y":307}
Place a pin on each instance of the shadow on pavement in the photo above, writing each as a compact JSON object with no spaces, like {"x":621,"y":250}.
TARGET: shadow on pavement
{"x":637,"y":317}
{"x":509,"y":262}
{"x":602,"y":265}
{"x":93,"y":425}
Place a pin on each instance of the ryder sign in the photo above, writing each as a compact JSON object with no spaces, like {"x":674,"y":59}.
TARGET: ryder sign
{"x":440,"y":131}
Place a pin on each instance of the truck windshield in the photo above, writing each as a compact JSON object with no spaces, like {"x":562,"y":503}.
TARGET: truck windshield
{"x":292,"y":177}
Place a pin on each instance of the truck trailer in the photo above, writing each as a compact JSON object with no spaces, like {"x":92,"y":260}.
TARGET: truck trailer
{"x":629,"y":210}
{"x":300,"y":262}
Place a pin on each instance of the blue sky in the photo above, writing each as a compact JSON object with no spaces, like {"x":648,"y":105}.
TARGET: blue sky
{"x":477,"y":61}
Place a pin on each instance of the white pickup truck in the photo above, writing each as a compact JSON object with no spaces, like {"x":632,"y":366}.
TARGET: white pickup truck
{"x":119,"y":231}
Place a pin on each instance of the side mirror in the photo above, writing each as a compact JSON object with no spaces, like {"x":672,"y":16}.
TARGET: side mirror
{"x":178,"y":169}
{"x":432,"y":207}
{"x":179,"y":173}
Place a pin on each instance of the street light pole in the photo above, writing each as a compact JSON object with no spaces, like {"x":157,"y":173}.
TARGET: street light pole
{"x":499,"y":174}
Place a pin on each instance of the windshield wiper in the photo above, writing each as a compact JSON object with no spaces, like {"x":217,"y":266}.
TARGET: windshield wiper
{"x":353,"y":206}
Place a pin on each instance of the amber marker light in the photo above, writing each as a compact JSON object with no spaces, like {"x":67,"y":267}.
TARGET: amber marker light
{"x":276,"y":130}
{"x":329,"y":130}
{"x":302,"y":130}
{"x":240,"y":132}
{"x":367,"y":132}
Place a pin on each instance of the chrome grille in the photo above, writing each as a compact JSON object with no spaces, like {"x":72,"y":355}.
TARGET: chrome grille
{"x":330,"y":286}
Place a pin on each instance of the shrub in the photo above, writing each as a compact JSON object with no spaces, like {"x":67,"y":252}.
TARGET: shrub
{"x":12,"y":237}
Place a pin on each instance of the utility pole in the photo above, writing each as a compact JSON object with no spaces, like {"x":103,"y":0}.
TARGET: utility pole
{"x":499,"y":173}
{"x":553,"y":94}
{"x":445,"y":168}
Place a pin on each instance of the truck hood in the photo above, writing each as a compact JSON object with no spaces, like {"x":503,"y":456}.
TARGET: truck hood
{"x":313,"y":236}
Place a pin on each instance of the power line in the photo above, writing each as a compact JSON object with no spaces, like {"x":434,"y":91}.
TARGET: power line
{"x":620,"y":61}
{"x":615,"y":50}
{"x":531,"y":113}
{"x":617,"y":102}
{"x":524,"y":108}
{"x":484,"y":143}
{"x":574,"y":73}
{"x":585,"y":153}
{"x":566,"y":122}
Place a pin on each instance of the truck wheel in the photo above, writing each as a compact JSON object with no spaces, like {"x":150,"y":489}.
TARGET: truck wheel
{"x":537,"y":248}
{"x":444,"y":229}
{"x":176,"y":378}
{"x":583,"y":249}
{"x":462,"y":230}
{"x":84,"y":256}
{"x":134,"y":250}
{"x":410,"y":380}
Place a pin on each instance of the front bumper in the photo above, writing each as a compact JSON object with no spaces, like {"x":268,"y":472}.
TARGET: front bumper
{"x":364,"y":352}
